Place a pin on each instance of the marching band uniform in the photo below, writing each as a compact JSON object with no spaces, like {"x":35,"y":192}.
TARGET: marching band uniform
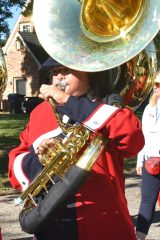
{"x":92,"y":213}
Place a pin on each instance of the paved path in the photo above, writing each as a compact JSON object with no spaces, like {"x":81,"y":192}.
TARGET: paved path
{"x":9,"y":213}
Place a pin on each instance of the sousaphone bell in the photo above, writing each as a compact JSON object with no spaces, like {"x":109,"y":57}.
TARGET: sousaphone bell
{"x":93,"y":35}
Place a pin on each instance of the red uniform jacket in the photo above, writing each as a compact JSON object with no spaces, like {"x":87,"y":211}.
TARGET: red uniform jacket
{"x":100,"y":205}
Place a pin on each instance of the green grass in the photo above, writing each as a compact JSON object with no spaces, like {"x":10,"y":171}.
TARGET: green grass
{"x":130,"y":165}
{"x":10,"y":127}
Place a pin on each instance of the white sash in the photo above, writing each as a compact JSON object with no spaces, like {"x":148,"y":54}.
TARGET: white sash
{"x":98,"y":118}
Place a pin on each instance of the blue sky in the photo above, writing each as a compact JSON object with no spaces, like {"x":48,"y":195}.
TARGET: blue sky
{"x":12,"y":21}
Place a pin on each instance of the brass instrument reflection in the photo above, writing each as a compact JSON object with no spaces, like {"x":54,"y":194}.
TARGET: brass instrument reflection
{"x":139,"y":76}
{"x":110,"y":19}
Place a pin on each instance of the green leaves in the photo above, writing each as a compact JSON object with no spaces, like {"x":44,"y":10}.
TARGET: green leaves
{"x":6,"y":13}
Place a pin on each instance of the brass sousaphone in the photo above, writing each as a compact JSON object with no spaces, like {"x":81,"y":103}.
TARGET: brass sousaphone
{"x":96,"y":35}
{"x":126,"y":29}
{"x":89,"y":35}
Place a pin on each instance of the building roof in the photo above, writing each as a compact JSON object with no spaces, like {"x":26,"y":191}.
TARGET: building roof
{"x":38,"y":51}
{"x":34,"y":45}
{"x":50,"y":62}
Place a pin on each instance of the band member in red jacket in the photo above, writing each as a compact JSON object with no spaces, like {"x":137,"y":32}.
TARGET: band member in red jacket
{"x":99,"y":209}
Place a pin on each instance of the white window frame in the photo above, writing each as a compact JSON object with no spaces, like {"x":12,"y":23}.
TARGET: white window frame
{"x":23,"y":25}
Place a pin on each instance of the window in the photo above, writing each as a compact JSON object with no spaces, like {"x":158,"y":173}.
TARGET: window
{"x":20,"y":86}
{"x":25,"y":27}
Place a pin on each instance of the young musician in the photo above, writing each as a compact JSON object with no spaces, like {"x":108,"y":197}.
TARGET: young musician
{"x":99,"y":209}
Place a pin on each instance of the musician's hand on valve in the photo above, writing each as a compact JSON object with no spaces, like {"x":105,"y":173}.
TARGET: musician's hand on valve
{"x":58,"y":95}
{"x":43,"y":147}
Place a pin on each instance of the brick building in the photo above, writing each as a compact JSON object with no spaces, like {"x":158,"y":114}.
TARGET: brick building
{"x":26,"y":60}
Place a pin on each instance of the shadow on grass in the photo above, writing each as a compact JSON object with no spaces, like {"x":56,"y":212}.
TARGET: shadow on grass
{"x":11,"y":126}
{"x":7,"y":143}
